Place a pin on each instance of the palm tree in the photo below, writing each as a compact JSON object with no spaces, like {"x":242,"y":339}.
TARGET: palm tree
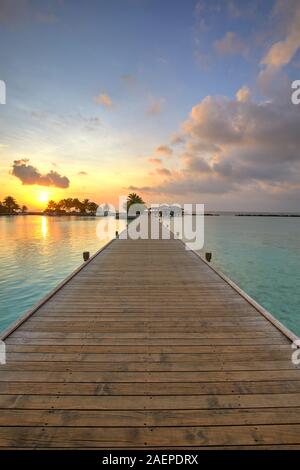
{"x":92,"y":208}
{"x":3,"y":209}
{"x":62,"y":204}
{"x":11,"y":205}
{"x":133,"y":198}
{"x":52,"y":206}
{"x":85,"y":205}
{"x":68,"y":204}
{"x":77,"y":205}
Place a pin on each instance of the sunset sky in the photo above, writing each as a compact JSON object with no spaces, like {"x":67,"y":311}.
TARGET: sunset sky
{"x":178,"y":100}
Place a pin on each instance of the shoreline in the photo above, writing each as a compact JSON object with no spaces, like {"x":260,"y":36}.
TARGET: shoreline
{"x":120,"y":216}
{"x":48,"y":215}
{"x":210,"y":214}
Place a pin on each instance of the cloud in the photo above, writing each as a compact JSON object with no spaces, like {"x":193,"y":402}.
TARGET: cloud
{"x":82,"y":173}
{"x":182,"y":186}
{"x":196,"y":164}
{"x":164,"y":150}
{"x":155,"y":161}
{"x":13,"y":11}
{"x":90,"y":120}
{"x":139,"y":188}
{"x":162,"y":60}
{"x":230,"y":44}
{"x":30,"y":175}
{"x":243,"y":94}
{"x":212,"y":6}
{"x":155,"y":107}
{"x":177,"y":138}
{"x":103,"y":99}
{"x":163,"y":171}
{"x":130,"y":82}
{"x":61,"y":120}
{"x":129,"y":79}
{"x":282,"y":52}
{"x":126,"y":78}
{"x":234,"y":10}
{"x":19,"y":12}
{"x":237,"y":9}
{"x":238,"y":145}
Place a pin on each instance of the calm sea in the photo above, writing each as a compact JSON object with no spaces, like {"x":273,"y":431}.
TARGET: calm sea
{"x":260,"y":254}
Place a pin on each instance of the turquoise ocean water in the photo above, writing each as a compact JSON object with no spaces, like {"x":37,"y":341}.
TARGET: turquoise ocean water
{"x":260,"y":254}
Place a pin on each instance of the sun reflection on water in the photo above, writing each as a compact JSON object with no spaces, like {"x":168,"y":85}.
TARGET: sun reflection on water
{"x":44,"y":226}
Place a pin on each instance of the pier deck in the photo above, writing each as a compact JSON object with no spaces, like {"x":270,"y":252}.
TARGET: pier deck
{"x":147,"y":346}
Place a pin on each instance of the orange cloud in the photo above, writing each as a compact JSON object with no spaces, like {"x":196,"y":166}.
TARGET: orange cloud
{"x":282,"y":52}
{"x":163,"y":171}
{"x":243,"y":94}
{"x":155,"y":161}
{"x":104,"y":99}
{"x":164,"y":150}
{"x":237,"y":145}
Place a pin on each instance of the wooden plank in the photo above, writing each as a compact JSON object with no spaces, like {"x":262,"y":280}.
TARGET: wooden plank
{"x":19,"y":348}
{"x":163,"y":377}
{"x":151,"y":367}
{"x":191,"y":338}
{"x":80,"y":340}
{"x":186,"y":402}
{"x":148,"y":388}
{"x":132,"y":418}
{"x":132,"y":357}
{"x":105,"y":437}
{"x":147,"y":346}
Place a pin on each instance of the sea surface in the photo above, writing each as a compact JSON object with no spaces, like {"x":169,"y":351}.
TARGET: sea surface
{"x":260,"y":254}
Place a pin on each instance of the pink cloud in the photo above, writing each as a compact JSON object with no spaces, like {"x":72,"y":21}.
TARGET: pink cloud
{"x":231,"y":44}
{"x":155,"y":161}
{"x":164,"y":150}
{"x":104,"y":99}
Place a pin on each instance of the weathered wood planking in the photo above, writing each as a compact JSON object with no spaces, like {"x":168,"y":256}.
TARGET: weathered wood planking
{"x":147,"y":346}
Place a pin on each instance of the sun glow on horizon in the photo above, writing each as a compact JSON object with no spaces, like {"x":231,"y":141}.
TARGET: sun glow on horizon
{"x":43,"y":196}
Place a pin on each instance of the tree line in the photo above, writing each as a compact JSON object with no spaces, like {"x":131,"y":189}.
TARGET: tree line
{"x":71,"y":206}
{"x":10,"y":206}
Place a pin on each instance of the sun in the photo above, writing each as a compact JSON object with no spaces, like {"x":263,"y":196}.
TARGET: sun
{"x":43,"y":196}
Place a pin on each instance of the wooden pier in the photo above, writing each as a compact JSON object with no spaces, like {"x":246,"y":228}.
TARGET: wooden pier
{"x":147,"y":346}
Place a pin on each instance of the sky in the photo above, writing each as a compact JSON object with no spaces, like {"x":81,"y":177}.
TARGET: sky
{"x":181,"y":101}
